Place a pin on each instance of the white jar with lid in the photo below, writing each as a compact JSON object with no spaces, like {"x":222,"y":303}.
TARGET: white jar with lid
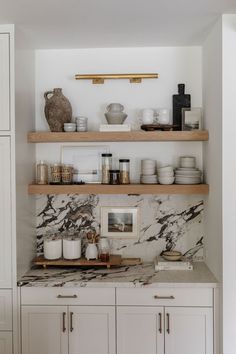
{"x":71,"y":246}
{"x":52,"y":247}
{"x":42,"y":173}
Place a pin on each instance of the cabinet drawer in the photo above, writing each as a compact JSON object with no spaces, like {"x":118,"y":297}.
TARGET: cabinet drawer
{"x":165,"y":297}
{"x":67,"y":296}
{"x":5,"y":310}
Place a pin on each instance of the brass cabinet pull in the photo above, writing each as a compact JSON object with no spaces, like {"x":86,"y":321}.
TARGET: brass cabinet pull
{"x":168,"y":323}
{"x":71,"y":322}
{"x":160,"y":322}
{"x":170,"y":297}
{"x":63,"y":321}
{"x":67,"y":296}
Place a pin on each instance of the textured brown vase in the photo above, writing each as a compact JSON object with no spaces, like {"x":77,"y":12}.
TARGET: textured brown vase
{"x":57,"y":110}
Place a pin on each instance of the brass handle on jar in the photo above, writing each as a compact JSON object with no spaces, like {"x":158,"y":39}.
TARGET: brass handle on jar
{"x":170,"y":297}
{"x":71,"y":321}
{"x":160,"y":322}
{"x":67,"y":296}
{"x":168,"y":323}
{"x":63,"y":321}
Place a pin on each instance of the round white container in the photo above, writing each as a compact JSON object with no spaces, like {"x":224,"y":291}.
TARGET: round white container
{"x":52,"y":248}
{"x":71,"y":248}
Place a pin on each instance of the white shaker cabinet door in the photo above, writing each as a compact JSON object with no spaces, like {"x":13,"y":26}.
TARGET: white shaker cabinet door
{"x":4,"y":82}
{"x":140,"y":330}
{"x":5,"y":343}
{"x":92,"y":330}
{"x":5,"y":213}
{"x":44,"y":330}
{"x":188,"y":330}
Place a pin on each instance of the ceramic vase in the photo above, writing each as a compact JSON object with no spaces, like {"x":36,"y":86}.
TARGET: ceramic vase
{"x":57,"y":109}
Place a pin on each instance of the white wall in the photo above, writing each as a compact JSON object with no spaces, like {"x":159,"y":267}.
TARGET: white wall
{"x":212,"y":158}
{"x":56,"y":68}
{"x":229,"y":190}
{"x":25,"y":156}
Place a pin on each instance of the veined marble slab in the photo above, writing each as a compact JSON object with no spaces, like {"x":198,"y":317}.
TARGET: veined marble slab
{"x":127,"y":277}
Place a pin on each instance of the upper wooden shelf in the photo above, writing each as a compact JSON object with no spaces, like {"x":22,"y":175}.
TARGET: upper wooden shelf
{"x":139,"y":135}
{"x":119,"y":189}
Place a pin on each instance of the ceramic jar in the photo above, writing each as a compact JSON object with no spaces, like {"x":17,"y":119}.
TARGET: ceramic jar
{"x":57,"y":110}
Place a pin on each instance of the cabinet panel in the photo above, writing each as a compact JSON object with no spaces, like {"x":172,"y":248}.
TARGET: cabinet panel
{"x":5,"y":310}
{"x":5,"y":213}
{"x":4,"y":82}
{"x":92,"y":330}
{"x":5,"y":342}
{"x":188,"y":330}
{"x":42,"y":330}
{"x":140,"y":330}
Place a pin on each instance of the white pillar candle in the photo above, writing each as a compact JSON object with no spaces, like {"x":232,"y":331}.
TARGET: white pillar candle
{"x":71,"y":248}
{"x":52,"y":249}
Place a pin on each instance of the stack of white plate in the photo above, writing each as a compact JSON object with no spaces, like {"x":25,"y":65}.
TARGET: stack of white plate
{"x":187,"y":173}
{"x":148,"y":172}
{"x":166,"y":175}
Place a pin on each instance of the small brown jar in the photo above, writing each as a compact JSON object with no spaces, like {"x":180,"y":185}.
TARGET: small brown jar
{"x":114,"y":176}
{"x":124,"y":171}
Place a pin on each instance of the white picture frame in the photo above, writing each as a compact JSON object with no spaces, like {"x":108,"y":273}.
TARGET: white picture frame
{"x":192,"y":118}
{"x":120,"y":222}
{"x":86,"y":161}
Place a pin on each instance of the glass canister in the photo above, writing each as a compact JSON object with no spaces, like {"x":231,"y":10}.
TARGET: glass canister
{"x":67,"y":174}
{"x":71,"y":246}
{"x":42,"y":173}
{"x":104,"y":249}
{"x":114,"y":176}
{"x":55,"y":173}
{"x":124,"y":165}
{"x":106,"y":166}
{"x":52,"y":245}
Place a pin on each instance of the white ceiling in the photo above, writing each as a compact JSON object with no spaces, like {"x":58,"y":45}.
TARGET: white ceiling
{"x":113,"y":23}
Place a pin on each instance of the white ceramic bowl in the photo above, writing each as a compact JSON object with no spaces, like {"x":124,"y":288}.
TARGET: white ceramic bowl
{"x":165,"y":169}
{"x":69,"y":127}
{"x":172,"y":255}
{"x":166,"y":180}
{"x":166,"y":174}
{"x":187,"y":161}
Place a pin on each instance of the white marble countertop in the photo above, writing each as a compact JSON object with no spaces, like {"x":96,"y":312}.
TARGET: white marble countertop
{"x":127,"y":277}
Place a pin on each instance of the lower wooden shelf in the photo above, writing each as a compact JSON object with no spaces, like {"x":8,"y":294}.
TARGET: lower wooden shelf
{"x":119,"y":189}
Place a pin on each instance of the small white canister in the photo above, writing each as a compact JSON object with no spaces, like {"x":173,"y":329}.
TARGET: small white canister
{"x":52,"y":247}
{"x":71,"y":247}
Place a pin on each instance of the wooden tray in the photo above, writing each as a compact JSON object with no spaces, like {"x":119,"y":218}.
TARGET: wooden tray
{"x":115,"y":260}
{"x":151,"y":127}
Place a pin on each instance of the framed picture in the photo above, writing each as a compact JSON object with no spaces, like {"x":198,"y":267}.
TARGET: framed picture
{"x":120,"y":222}
{"x":192,"y":118}
{"x":86,"y":161}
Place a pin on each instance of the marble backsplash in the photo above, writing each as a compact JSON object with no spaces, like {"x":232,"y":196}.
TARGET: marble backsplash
{"x":166,"y":222}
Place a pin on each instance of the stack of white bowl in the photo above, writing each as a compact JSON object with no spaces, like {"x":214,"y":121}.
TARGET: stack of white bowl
{"x":166,"y":175}
{"x":148,"y":172}
{"x":187,"y":173}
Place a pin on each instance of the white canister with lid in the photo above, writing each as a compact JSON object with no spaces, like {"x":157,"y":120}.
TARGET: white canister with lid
{"x":71,"y":247}
{"x":52,"y":247}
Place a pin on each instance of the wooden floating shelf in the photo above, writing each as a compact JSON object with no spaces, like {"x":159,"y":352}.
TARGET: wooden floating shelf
{"x":119,"y":189}
{"x":132,"y":136}
{"x":100,"y":78}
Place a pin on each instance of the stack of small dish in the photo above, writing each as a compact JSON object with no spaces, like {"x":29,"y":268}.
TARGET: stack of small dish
{"x":187,"y":173}
{"x":166,"y":175}
{"x":148,"y":172}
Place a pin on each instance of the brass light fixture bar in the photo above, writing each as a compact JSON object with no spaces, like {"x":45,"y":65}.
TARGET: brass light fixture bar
{"x":100,"y":78}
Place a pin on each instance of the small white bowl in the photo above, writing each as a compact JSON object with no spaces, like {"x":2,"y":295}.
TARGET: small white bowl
{"x":69,"y":127}
{"x":166,"y":180}
{"x":166,"y":174}
{"x":165,"y":169}
{"x":187,"y":161}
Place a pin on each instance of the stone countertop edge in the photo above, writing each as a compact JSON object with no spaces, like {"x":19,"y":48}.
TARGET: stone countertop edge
{"x":140,"y":276}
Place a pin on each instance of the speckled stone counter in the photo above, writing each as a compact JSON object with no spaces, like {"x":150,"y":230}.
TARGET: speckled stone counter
{"x":127,"y":276}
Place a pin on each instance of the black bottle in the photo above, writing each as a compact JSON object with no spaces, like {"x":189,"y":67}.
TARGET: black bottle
{"x":180,"y":101}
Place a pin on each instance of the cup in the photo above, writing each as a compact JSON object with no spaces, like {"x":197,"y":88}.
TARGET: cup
{"x":147,"y":116}
{"x":55,"y":173}
{"x":67,"y":174}
{"x":163,"y":116}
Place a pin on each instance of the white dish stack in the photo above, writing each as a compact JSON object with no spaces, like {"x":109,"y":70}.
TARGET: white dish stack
{"x":166,"y":175}
{"x":187,"y":173}
{"x":148,"y":172}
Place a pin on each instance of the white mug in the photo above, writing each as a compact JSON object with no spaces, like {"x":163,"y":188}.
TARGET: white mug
{"x":163,"y":116}
{"x":147,"y":116}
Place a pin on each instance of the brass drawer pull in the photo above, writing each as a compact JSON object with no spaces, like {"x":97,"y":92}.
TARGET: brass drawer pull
{"x":71,"y":321}
{"x":157,"y":297}
{"x":63,"y":321}
{"x":67,"y":296}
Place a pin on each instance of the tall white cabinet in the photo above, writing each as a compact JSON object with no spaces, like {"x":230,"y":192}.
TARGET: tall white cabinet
{"x":7,"y":187}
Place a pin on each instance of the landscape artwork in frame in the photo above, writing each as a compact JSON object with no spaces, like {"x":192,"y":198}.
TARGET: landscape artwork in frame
{"x":119,"y":222}
{"x":192,"y":118}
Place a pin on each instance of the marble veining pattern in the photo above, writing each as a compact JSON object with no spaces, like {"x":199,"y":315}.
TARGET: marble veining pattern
{"x":167,"y":222}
